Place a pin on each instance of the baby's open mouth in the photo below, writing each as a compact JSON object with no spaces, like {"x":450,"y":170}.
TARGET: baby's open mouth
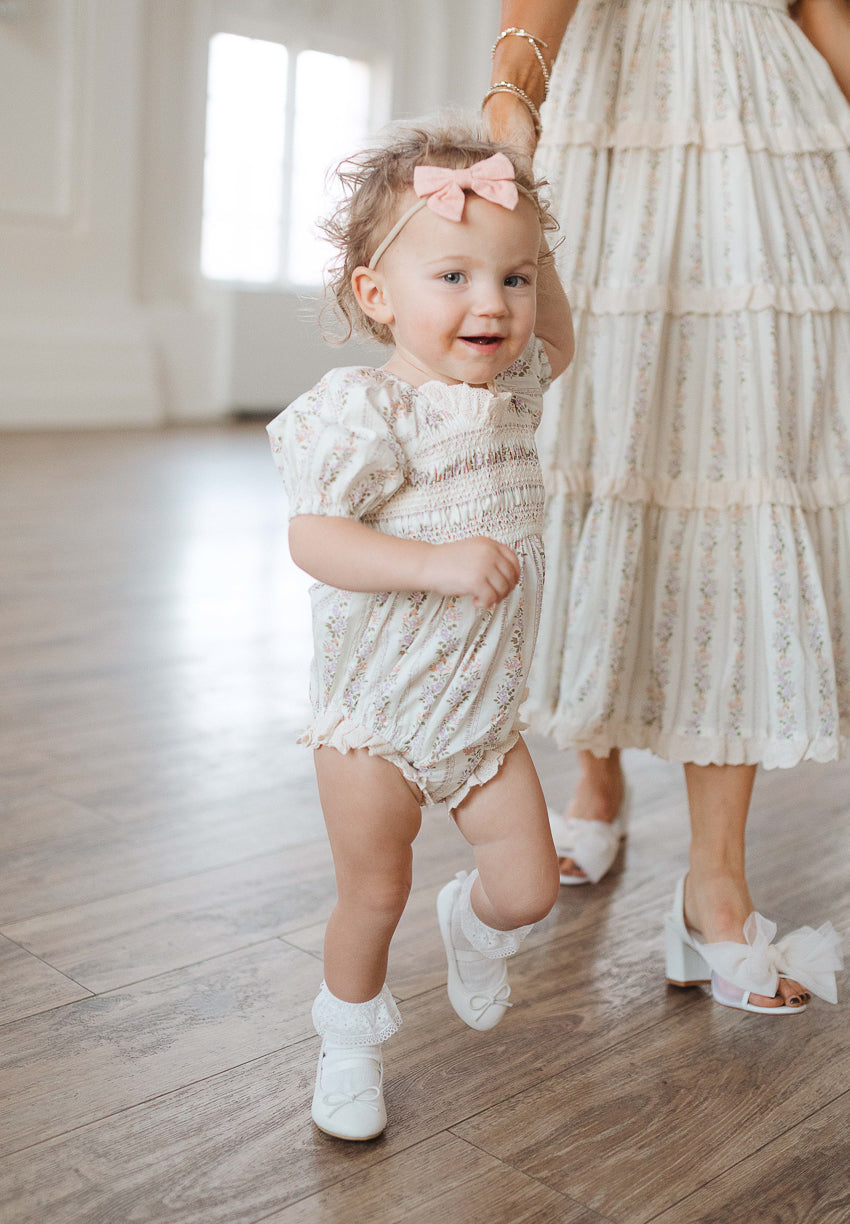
{"x":482,"y":340}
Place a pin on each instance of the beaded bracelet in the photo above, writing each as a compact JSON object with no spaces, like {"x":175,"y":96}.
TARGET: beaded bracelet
{"x":509,"y":87}
{"x":535,"y":43}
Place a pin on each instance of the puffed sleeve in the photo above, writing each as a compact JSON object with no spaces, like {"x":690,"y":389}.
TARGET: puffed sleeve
{"x":526,"y":379}
{"x":335,"y":449}
{"x":530,"y":373}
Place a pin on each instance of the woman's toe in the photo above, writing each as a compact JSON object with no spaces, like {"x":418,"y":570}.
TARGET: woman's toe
{"x":792,"y":993}
{"x":569,"y":867}
{"x":766,"y":1000}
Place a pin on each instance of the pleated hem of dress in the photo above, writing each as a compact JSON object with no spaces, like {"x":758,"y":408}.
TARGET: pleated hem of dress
{"x":696,"y":750}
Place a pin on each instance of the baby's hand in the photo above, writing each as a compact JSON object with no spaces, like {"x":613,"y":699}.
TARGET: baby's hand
{"x":480,"y":567}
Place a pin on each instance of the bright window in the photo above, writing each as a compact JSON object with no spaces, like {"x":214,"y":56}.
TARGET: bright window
{"x":275,"y":127}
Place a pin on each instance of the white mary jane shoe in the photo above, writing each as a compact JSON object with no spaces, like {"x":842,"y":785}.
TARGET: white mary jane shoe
{"x":738,"y":970}
{"x":481,"y":1009}
{"x":591,"y":844}
{"x":348,"y":1100}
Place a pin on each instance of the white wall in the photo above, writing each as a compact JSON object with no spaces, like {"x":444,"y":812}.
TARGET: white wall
{"x":104,"y":318}
{"x":73,"y":347}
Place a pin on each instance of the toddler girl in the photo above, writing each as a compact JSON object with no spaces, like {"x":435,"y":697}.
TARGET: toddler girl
{"x":416,"y":501}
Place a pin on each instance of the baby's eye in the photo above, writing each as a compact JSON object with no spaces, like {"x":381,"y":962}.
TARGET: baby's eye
{"x":452,"y":278}
{"x":516,"y":281}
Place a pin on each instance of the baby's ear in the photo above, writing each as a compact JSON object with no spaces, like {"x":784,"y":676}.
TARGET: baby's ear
{"x":372,"y":294}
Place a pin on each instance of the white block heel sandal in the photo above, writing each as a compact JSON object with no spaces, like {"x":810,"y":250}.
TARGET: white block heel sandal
{"x":738,"y":970}
{"x":591,"y":844}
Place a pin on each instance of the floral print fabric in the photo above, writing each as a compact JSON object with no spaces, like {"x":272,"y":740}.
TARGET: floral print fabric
{"x":427,"y":681}
{"x":697,"y":453}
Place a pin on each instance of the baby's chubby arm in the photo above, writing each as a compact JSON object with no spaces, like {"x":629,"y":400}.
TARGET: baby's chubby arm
{"x":352,"y":556}
{"x":554,"y":322}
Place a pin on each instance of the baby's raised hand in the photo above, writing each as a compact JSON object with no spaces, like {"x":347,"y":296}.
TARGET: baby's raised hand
{"x":480,"y":567}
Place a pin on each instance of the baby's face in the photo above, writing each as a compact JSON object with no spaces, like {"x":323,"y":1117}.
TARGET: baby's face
{"x":462,"y":293}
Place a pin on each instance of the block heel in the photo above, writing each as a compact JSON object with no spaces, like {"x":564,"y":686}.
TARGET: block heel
{"x":684,"y":965}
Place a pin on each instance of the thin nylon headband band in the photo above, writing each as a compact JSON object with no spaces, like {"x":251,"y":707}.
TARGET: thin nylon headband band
{"x":405,"y":217}
{"x":396,"y":230}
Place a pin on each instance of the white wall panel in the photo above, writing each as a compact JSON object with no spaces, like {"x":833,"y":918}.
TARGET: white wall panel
{"x":75,"y":346}
{"x":43,"y":70}
{"x":67,"y":374}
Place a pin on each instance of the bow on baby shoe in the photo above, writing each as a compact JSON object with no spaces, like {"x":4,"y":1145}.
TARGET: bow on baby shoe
{"x":479,"y":1003}
{"x":806,"y":956}
{"x":493,"y":179}
{"x":335,"y":1101}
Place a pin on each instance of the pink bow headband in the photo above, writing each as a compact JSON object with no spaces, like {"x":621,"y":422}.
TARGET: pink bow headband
{"x":444,"y":192}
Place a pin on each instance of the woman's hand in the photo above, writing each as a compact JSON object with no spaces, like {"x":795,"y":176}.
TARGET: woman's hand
{"x":508,"y":120}
{"x":480,"y":567}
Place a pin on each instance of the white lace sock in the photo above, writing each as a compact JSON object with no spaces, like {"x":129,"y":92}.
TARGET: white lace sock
{"x":469,"y":933}
{"x":354,"y":1027}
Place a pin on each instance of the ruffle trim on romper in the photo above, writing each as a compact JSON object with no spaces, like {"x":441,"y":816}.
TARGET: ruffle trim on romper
{"x":356,"y":1024}
{"x":345,"y":735}
{"x":490,"y":942}
{"x":488,"y":767}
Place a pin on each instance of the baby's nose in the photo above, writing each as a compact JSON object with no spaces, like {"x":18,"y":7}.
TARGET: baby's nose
{"x":491,"y":300}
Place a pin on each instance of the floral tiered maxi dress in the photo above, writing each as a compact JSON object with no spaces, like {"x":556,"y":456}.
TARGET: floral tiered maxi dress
{"x":697,"y":453}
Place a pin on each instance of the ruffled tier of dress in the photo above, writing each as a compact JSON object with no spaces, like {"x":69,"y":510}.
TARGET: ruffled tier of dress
{"x":707,"y":636}
{"x":697,"y":454}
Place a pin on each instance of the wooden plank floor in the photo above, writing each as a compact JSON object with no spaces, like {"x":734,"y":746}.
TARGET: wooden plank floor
{"x":164,"y":881}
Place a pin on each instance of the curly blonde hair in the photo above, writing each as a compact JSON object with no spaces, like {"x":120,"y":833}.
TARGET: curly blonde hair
{"x":374,"y":183}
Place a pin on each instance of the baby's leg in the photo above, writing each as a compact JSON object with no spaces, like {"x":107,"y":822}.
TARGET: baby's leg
{"x":484,"y":917}
{"x":506,"y":823}
{"x":372,"y":818}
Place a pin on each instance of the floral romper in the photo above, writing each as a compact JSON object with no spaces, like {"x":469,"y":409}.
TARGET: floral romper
{"x":427,"y":681}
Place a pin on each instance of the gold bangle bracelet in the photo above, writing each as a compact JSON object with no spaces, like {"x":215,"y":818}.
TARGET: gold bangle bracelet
{"x":534,"y":42}
{"x":510,"y":87}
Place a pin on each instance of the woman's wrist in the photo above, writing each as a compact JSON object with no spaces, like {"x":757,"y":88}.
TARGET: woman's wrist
{"x":515,"y":61}
{"x":508,"y":87}
{"x":509,"y":121}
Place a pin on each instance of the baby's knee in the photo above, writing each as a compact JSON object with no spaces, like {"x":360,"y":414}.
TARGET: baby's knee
{"x":524,"y":906}
{"x":383,"y":901}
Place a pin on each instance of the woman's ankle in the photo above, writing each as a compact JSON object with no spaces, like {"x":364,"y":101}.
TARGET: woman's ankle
{"x":600,"y":789}
{"x":717,"y":903}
